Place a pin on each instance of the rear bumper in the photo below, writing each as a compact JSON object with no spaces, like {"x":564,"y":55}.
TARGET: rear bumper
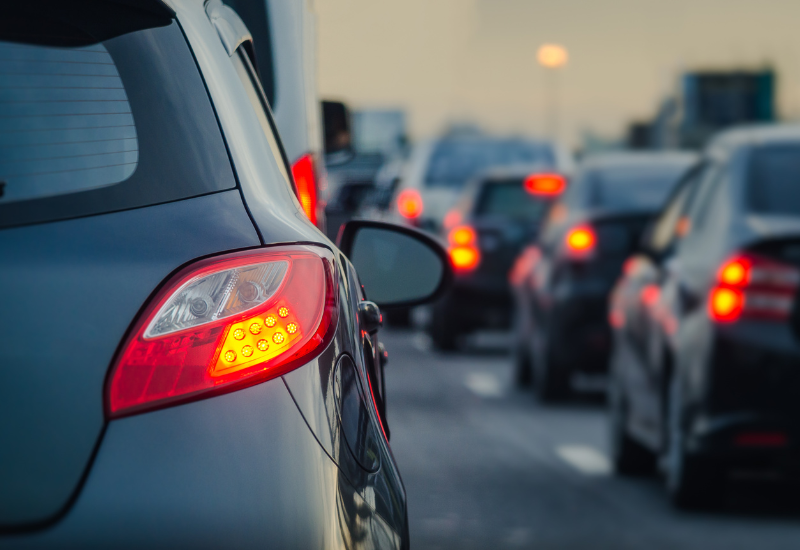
{"x":579,"y":335}
{"x":746,"y":406}
{"x":474,"y":306}
{"x":236,"y":471}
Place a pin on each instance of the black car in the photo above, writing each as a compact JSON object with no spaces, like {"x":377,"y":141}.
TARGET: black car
{"x":186,"y":360}
{"x":560,"y":320}
{"x":497,"y":214}
{"x":707,"y":330}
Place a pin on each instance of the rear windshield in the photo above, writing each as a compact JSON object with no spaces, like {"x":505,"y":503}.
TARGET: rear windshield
{"x":774,"y":182}
{"x":630,"y":187}
{"x":508,"y":199}
{"x":454,"y":162}
{"x":88,"y":127}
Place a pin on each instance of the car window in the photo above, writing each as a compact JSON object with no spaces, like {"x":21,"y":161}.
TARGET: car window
{"x":666,"y":226}
{"x":257,"y":99}
{"x":631,"y":187}
{"x":508,"y":199}
{"x":454,"y":162}
{"x":88,"y":127}
{"x":708,"y":181}
{"x":773,"y":185}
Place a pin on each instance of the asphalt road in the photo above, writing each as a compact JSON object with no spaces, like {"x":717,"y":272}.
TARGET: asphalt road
{"x":487,"y":467}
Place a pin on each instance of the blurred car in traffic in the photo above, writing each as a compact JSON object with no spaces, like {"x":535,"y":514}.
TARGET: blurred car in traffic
{"x":187,"y":361}
{"x":437,"y":171}
{"x":498,"y":213}
{"x":284,"y":46}
{"x":706,"y":349}
{"x":561,"y":295}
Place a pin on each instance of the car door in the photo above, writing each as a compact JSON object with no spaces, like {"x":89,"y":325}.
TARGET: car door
{"x":643,"y":308}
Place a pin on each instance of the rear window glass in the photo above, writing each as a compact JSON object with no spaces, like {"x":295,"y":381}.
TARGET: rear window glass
{"x":630,"y":187}
{"x":774,"y":182}
{"x":65,"y":121}
{"x":89,"y":127}
{"x":454,"y":162}
{"x":508,"y":199}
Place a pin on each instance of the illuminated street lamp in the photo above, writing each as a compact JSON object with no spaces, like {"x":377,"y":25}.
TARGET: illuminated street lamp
{"x":552,"y":57}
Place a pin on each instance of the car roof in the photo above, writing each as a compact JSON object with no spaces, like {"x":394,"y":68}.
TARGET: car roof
{"x":754,"y":135}
{"x":636,"y":158}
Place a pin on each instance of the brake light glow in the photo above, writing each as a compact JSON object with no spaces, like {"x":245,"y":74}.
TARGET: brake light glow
{"x":226,"y":323}
{"x":464,"y":252}
{"x":546,"y":185}
{"x":726,"y":304}
{"x":749,"y":285}
{"x":581,"y":240}
{"x":409,"y":204}
{"x":305,"y":180}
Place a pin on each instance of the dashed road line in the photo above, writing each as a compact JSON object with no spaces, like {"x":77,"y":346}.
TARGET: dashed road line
{"x":587,"y":460}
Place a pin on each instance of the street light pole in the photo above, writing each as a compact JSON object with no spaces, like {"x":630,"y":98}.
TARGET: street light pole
{"x":551,"y":57}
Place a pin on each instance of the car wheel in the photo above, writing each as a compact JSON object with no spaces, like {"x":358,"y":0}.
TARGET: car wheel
{"x":692,"y":482}
{"x":628,"y":456}
{"x":443,"y":328}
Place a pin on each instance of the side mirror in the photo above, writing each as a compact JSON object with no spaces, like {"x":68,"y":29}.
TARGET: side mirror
{"x":336,"y":128}
{"x":398,"y":266}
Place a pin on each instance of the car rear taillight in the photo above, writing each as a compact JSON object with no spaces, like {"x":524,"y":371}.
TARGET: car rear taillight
{"x":752,"y":286}
{"x":409,"y":204}
{"x":545,"y":185}
{"x":463,"y":249}
{"x":225,"y":323}
{"x":452,"y":218}
{"x":305,"y":179}
{"x":580,"y":241}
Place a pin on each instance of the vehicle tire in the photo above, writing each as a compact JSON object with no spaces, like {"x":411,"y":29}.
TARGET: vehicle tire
{"x":443,"y":328}
{"x":552,"y":380}
{"x":628,"y":456}
{"x":692,"y":482}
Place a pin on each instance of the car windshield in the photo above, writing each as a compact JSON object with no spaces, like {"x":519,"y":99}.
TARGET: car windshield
{"x":454,"y":162}
{"x":630,"y":187}
{"x":508,"y":199}
{"x":774,"y":182}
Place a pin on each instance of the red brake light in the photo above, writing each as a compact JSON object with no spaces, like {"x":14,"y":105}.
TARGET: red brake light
{"x":726,"y":304}
{"x":225,"y":323}
{"x":305,"y":180}
{"x":581,"y":240}
{"x":547,"y":185}
{"x":409,"y":204}
{"x":753,"y":286}
{"x":464,"y":253}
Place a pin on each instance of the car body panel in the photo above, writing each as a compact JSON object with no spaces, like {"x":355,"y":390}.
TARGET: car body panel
{"x":159,"y":480}
{"x":83,"y":282}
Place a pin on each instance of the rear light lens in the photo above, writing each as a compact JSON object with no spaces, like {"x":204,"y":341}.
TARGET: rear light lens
{"x":225,"y":323}
{"x":726,"y":304}
{"x":752,"y":286}
{"x":761,"y":439}
{"x":545,"y":185}
{"x":580,"y":241}
{"x":305,"y":180}
{"x":464,"y":252}
{"x":409,"y":204}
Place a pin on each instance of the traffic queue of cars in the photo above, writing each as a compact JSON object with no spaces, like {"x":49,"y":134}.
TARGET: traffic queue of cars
{"x":188,"y":362}
{"x":669,"y":276}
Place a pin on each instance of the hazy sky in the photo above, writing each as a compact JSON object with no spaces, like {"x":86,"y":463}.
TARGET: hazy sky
{"x":450,"y":60}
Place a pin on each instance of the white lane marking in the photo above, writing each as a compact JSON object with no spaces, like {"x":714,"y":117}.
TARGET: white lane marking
{"x":483,"y":384}
{"x":585,"y":459}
